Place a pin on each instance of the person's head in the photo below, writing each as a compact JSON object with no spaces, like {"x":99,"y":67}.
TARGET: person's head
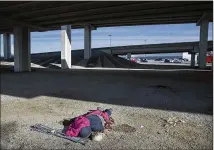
{"x":85,"y":132}
{"x":108,"y":111}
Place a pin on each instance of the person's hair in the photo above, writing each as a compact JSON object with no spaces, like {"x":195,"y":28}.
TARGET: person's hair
{"x":109,"y":123}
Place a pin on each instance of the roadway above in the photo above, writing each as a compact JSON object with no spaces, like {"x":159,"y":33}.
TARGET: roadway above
{"x":45,"y":15}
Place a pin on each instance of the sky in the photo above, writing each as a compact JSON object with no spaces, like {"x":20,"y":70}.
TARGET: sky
{"x":120,"y":36}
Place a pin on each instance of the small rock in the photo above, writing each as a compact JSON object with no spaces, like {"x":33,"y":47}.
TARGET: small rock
{"x":183,"y":121}
{"x":158,"y":133}
{"x":174,"y":118}
{"x":165,"y":125}
{"x":170,"y":122}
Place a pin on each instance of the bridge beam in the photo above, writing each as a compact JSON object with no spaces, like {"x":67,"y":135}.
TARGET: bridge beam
{"x":203,"y":43}
{"x":22,"y":56}
{"x":7,"y":45}
{"x":205,"y":16}
{"x":87,"y":41}
{"x":66,"y":47}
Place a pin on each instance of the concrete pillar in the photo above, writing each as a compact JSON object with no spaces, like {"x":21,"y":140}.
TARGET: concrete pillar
{"x":7,"y":45}
{"x":0,"y":45}
{"x":22,"y":56}
{"x":203,"y":43}
{"x":66,"y":47}
{"x":212,"y":64}
{"x":192,"y":59}
{"x":87,"y":42}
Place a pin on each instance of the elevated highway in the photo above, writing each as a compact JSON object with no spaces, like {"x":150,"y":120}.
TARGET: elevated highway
{"x":191,"y":47}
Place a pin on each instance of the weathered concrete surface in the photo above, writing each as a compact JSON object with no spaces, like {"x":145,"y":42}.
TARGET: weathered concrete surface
{"x":137,"y":97}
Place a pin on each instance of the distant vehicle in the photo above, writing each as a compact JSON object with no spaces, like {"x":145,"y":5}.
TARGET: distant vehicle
{"x":167,"y":61}
{"x":183,"y":59}
{"x":144,"y":60}
{"x":176,"y":61}
{"x":209,"y":59}
{"x":141,"y":60}
{"x":133,"y":60}
{"x":138,"y":60}
{"x":158,"y":59}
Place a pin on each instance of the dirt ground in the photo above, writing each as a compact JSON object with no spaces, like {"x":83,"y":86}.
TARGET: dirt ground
{"x":145,"y":104}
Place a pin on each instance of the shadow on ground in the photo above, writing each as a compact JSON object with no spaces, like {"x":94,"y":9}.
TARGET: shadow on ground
{"x":185,"y":91}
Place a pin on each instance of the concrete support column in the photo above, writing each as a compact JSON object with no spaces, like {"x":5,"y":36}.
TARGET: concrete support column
{"x":212,"y":64}
{"x":7,"y":45}
{"x":66,"y":47}
{"x":203,"y":43}
{"x":87,"y":42}
{"x":0,"y":43}
{"x":192,"y":59}
{"x":22,"y":56}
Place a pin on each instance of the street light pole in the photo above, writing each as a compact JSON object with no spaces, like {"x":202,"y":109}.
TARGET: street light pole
{"x":110,"y":43}
{"x":145,"y":44}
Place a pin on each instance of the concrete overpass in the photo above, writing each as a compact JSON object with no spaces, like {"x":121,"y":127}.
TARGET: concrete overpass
{"x":191,"y":47}
{"x":22,"y":18}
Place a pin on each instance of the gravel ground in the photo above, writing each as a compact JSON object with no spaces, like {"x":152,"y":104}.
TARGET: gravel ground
{"x":142,"y":104}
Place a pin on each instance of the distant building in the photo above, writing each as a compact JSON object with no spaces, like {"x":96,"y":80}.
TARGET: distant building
{"x":186,"y":55}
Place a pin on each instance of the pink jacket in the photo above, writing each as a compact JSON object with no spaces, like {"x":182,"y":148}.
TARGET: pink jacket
{"x":81,"y":122}
{"x":98,"y":112}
